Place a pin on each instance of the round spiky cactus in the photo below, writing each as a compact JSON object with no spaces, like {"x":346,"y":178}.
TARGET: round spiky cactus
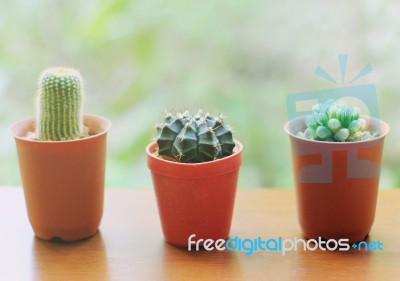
{"x":59,"y":105}
{"x":195,"y":139}
{"x":330,"y":121}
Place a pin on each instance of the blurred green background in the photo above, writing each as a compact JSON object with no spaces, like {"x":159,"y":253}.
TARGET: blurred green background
{"x":140,"y":58}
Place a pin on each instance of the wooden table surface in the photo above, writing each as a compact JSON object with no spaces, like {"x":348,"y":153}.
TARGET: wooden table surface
{"x":130,"y":246}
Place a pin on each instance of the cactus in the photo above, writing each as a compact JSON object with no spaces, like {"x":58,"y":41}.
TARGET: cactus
{"x":195,"y":139}
{"x":336,"y":122}
{"x":59,"y":105}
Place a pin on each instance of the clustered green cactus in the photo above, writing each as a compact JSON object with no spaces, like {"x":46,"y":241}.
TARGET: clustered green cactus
{"x":59,"y":105}
{"x":331,"y":121}
{"x":195,"y":139}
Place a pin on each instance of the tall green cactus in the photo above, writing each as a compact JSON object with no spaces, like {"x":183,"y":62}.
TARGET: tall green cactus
{"x":59,"y":105}
{"x":195,"y":139}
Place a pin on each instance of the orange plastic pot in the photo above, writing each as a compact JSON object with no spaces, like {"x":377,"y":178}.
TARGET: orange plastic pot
{"x":336,"y":183}
{"x":195,"y":198}
{"x":63,"y":181}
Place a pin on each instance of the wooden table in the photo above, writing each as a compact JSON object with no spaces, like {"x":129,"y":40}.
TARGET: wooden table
{"x":130,"y":244}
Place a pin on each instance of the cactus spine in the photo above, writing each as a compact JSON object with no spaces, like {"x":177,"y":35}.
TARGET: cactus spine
{"x":59,"y":105}
{"x":195,"y":139}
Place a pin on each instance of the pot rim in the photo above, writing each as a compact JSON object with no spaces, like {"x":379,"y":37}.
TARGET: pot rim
{"x":237,"y":150}
{"x":106,"y":121}
{"x":385,"y":129}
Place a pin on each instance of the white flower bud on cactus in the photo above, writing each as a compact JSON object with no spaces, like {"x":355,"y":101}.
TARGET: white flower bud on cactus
{"x":341,"y":135}
{"x":310,"y":134}
{"x":323,"y":132}
{"x":334,"y":125}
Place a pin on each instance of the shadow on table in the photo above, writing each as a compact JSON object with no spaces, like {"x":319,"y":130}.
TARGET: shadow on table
{"x":81,"y":260}
{"x":200,"y":265}
{"x":336,"y":265}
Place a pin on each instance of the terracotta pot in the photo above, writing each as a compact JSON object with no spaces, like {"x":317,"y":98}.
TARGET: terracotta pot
{"x":195,"y":198}
{"x":336,"y":184}
{"x":63,"y":181}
